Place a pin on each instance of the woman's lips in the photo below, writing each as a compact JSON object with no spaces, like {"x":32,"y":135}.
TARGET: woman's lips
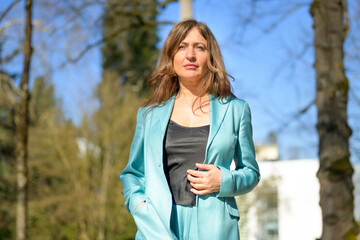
{"x":190,"y":66}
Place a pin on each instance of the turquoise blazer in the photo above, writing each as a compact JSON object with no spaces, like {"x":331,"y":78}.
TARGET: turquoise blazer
{"x":143,"y":179}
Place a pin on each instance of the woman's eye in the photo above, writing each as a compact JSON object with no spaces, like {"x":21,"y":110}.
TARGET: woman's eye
{"x":181,"y":47}
{"x":200,"y":47}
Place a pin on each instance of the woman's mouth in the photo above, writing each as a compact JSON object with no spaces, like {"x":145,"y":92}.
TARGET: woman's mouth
{"x":190,"y":66}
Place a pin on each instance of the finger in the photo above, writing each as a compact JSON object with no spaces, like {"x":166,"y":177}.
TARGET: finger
{"x":194,"y":179}
{"x":207,"y":167}
{"x":195,"y":173}
{"x":198,"y":186}
{"x":199,"y":192}
{"x":140,"y":204}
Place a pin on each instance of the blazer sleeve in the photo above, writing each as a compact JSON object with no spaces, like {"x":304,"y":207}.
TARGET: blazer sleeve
{"x":132,"y":177}
{"x":246,"y":174}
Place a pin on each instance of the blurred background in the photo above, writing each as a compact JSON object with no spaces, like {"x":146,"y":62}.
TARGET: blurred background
{"x":89,"y":63}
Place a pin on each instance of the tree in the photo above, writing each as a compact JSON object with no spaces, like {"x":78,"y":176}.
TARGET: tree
{"x":127,"y":60}
{"x":73,"y":186}
{"x":331,"y":25}
{"x":49,"y":182}
{"x":22,"y":119}
{"x":132,"y":53}
{"x":114,"y":122}
{"x":332,"y":86}
{"x":8,"y":99}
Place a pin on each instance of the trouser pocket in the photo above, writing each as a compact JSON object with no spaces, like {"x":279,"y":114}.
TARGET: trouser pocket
{"x":149,"y":224}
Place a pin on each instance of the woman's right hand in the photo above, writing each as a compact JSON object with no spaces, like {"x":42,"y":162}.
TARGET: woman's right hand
{"x":140,"y":204}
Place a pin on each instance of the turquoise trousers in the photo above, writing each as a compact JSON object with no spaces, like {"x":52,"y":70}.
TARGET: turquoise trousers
{"x":183,"y":222}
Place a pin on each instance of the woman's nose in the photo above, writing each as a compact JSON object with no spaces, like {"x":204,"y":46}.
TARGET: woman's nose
{"x":190,"y":54}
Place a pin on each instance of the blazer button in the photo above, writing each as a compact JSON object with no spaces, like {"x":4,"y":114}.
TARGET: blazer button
{"x":159,"y":165}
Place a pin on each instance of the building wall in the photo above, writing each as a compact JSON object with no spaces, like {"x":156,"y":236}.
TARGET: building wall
{"x":298,"y":211}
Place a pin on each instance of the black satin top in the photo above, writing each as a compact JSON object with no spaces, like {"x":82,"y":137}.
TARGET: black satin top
{"x":183,"y":147}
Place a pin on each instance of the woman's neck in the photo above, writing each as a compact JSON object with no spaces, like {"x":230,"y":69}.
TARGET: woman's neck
{"x":190,"y":95}
{"x":189,"y":91}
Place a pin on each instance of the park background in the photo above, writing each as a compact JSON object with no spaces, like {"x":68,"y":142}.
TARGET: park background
{"x":88,"y":77}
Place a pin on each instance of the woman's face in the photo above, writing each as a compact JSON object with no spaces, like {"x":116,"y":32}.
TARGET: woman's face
{"x":190,"y":59}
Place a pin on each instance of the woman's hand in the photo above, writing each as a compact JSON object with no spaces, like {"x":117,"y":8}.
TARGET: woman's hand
{"x":140,"y":204}
{"x":204,"y":182}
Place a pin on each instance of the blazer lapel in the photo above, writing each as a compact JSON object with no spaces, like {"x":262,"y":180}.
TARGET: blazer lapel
{"x":163,"y":113}
{"x":218,"y":111}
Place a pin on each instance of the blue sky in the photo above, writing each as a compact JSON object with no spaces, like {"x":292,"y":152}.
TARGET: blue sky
{"x":268,"y":71}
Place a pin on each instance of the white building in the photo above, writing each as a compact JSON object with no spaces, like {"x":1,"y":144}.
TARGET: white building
{"x":266,"y":151}
{"x":285,"y":205}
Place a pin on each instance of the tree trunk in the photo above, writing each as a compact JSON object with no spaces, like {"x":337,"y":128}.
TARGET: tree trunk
{"x":22,"y":121}
{"x":335,"y":171}
{"x":103,"y":193}
{"x":185,"y":9}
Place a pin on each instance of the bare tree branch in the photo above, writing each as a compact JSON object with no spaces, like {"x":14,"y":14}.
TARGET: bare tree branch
{"x":10,"y":57}
{"x":7,"y":10}
{"x":9,"y":88}
{"x":166,"y":2}
{"x":296,"y":116}
{"x":108,"y":38}
{"x":354,"y":96}
{"x":10,"y":23}
{"x":293,"y":58}
{"x":84,"y":4}
{"x":116,"y":8}
{"x":285,"y":15}
{"x":255,"y":15}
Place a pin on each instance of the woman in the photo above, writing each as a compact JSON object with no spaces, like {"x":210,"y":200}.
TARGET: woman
{"x":178,"y":183}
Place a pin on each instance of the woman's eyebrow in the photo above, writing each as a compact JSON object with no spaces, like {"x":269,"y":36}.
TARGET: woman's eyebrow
{"x":195,"y":43}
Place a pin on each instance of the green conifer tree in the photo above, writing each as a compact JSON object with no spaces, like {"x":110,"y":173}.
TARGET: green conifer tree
{"x":8,"y":98}
{"x":132,"y":53}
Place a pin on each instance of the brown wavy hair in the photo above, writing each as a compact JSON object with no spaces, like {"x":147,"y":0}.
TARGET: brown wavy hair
{"x":164,"y":82}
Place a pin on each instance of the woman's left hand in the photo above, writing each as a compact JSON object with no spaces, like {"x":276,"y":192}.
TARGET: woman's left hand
{"x":204,"y":182}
